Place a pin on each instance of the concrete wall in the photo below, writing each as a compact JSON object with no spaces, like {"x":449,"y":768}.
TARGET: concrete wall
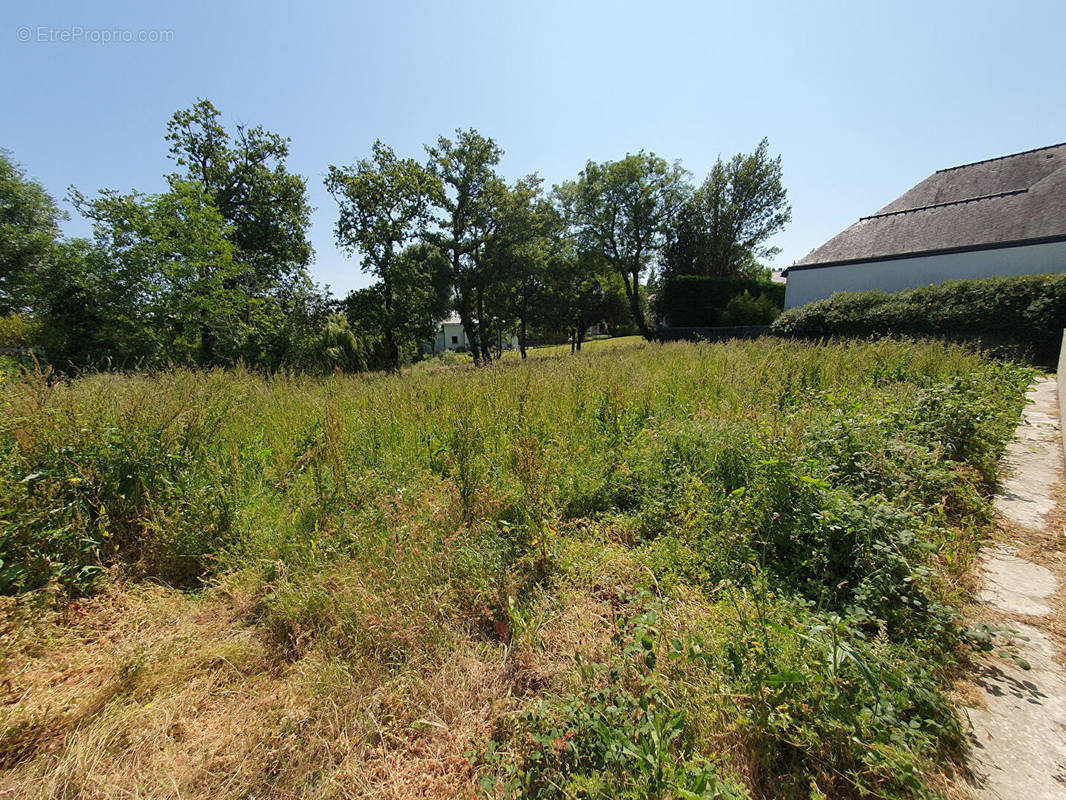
{"x":806,"y":285}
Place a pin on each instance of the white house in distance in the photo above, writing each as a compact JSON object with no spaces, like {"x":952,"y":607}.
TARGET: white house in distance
{"x":1002,"y":216}
{"x":451,"y":336}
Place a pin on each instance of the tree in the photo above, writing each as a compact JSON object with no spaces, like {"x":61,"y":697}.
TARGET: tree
{"x":512,"y":265}
{"x":87,"y":317}
{"x":467,"y":192}
{"x":622,"y":211}
{"x":29,"y":230}
{"x":421,"y":294}
{"x":244,"y":176}
{"x":214,"y":268}
{"x":339,"y":345}
{"x":582,"y":290}
{"x":289,"y":328}
{"x":173,"y":265}
{"x":383,"y":203}
{"x":722,"y":229}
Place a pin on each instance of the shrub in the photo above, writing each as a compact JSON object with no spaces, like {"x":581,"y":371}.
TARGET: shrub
{"x":746,"y":309}
{"x":1024,"y":314}
{"x":18,"y":331}
{"x":701,"y":300}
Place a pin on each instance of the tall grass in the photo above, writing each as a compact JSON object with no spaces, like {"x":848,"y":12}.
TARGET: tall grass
{"x":715,"y":569}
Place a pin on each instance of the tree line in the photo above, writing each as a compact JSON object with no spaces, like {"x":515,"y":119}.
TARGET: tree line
{"x":214,"y":270}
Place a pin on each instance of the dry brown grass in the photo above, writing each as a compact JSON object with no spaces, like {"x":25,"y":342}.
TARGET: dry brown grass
{"x":151,"y":693}
{"x":145,"y":692}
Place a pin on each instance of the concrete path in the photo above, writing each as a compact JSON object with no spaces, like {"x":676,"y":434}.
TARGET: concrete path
{"x":1018,"y":737}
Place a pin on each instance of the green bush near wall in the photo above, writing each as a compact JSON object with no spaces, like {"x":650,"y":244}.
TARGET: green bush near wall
{"x":1025,"y":314}
{"x":701,"y":300}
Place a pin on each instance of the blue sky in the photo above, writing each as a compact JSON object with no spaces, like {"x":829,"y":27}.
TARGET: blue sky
{"x":861,"y":100}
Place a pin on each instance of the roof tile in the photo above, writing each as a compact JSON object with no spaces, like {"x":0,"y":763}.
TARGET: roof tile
{"x":1000,"y":200}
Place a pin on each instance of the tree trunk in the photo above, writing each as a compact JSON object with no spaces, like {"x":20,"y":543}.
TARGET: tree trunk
{"x":207,"y":346}
{"x":486,"y":352}
{"x":468,"y":326}
{"x":635,"y":306}
{"x":393,"y":349}
{"x":462,"y":293}
{"x":522,"y":337}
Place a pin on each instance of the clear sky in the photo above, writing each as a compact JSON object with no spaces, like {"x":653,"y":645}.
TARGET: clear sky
{"x":861,"y":99}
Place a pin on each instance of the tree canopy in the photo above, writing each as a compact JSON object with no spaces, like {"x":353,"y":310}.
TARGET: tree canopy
{"x":384,"y":201}
{"x":29,"y":228}
{"x":623,"y":210}
{"x":468,"y":190}
{"x":723,"y":227}
{"x":213,"y":270}
{"x":208,"y":271}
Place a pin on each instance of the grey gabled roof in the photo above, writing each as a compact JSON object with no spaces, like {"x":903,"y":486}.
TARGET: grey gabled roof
{"x":1011,"y":199}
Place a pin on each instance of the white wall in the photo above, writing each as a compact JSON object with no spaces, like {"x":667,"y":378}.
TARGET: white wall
{"x":444,"y":336}
{"x":805,"y":285}
{"x":449,"y":329}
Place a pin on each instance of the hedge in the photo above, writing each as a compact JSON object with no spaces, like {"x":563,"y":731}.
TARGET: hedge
{"x":1024,"y":315}
{"x":699,"y":300}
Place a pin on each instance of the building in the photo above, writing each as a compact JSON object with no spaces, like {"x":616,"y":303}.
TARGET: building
{"x":1002,"y":216}
{"x":451,"y":336}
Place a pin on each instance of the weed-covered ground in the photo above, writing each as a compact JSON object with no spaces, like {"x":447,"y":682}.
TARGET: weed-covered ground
{"x":646,"y":571}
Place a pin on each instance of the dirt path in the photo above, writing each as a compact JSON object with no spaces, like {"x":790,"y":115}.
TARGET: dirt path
{"x":1018,"y":736}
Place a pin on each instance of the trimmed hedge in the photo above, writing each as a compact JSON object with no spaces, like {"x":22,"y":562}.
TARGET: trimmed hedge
{"x":1024,"y":315}
{"x":697,"y":301}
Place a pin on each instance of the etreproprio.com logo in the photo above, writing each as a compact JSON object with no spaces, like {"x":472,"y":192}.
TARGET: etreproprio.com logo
{"x":48,"y":34}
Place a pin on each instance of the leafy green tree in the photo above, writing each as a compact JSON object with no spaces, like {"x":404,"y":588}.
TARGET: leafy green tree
{"x":583,"y":290}
{"x":88,"y":318}
{"x":723,"y":227}
{"x":212,"y":270}
{"x":512,"y":264}
{"x":174,"y":264}
{"x":622,"y":210}
{"x":421,"y":295}
{"x":244,"y":176}
{"x":384,"y":202}
{"x":340,"y":346}
{"x":289,"y":328}
{"x":267,"y":213}
{"x":746,"y":309}
{"x":29,"y":230}
{"x":468,"y":192}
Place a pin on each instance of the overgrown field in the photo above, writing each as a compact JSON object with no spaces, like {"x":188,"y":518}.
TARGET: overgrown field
{"x":645,"y":572}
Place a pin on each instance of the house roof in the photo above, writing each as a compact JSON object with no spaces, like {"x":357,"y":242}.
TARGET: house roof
{"x":998,"y":202}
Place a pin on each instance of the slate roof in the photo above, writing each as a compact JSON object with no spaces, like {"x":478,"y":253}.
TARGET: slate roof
{"x":991,"y":203}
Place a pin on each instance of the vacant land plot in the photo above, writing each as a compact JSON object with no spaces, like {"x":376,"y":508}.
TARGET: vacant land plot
{"x":652,"y":571}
